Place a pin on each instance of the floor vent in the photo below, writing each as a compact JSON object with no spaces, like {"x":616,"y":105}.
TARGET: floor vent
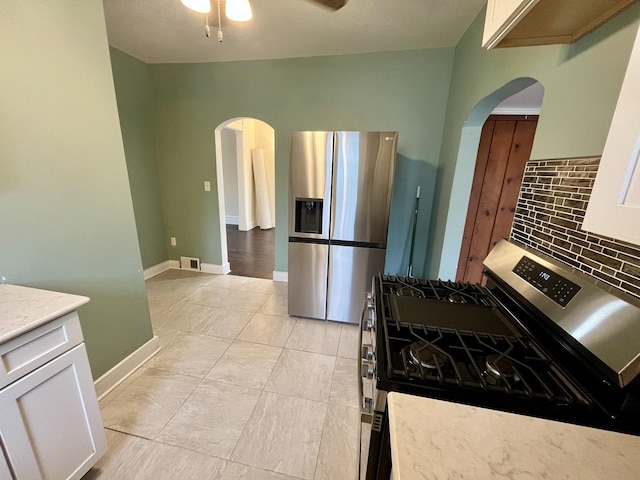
{"x":190,"y":263}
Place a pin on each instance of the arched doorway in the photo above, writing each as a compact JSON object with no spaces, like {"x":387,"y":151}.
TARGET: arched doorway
{"x":245,"y":180}
{"x":464,"y":172}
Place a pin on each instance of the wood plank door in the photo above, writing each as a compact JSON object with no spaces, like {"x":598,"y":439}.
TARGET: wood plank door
{"x":505,"y":147}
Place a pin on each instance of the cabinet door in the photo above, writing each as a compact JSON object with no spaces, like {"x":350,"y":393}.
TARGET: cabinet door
{"x":614,"y":207}
{"x":502,"y":16}
{"x":50,"y":424}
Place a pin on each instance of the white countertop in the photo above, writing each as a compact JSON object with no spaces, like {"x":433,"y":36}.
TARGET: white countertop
{"x":24,"y":308}
{"x":432,"y":439}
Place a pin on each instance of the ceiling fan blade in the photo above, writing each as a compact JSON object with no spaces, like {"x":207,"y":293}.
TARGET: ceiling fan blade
{"x":334,"y":4}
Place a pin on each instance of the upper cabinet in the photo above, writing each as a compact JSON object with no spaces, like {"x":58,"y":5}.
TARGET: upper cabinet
{"x":614,"y":207}
{"x":519,"y":23}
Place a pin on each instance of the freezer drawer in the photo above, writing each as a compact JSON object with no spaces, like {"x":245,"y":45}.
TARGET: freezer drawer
{"x":308,"y":279}
{"x":350,"y":273}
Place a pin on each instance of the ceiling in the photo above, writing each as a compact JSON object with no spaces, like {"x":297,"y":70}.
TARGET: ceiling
{"x":165,"y":31}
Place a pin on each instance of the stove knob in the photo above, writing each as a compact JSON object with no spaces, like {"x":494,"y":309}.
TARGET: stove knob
{"x":367,"y":370}
{"x":369,"y":301}
{"x":367,"y":405}
{"x":368,"y":353}
{"x":367,"y":324}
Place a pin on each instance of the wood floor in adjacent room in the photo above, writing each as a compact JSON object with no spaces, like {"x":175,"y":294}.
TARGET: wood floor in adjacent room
{"x":251,"y":253}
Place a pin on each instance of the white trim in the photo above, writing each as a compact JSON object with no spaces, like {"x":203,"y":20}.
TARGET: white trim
{"x":220,"y":188}
{"x":217,"y":269}
{"x":232,"y":220}
{"x":516,"y":111}
{"x":157,"y":269}
{"x":118,"y":374}
{"x":280,"y":276}
{"x":175,"y":265}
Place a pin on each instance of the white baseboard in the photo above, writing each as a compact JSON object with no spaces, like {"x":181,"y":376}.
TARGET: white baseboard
{"x":250,"y":225}
{"x":280,"y":276}
{"x":126,"y":367}
{"x":217,"y":269}
{"x":232,"y":220}
{"x":157,"y":269}
{"x":175,"y":264}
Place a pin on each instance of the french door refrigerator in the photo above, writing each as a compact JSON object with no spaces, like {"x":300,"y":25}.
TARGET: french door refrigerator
{"x":339,"y":202}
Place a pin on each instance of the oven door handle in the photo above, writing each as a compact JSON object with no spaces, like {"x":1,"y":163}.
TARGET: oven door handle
{"x":366,"y":404}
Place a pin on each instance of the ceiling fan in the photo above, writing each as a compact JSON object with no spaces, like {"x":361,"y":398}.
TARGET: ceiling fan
{"x":240,"y":11}
{"x":333,"y":4}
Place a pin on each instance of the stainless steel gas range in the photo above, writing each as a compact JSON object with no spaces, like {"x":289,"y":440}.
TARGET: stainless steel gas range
{"x":540,"y":339}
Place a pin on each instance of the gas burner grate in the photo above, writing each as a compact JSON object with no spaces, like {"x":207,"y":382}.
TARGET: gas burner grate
{"x":460,"y":359}
{"x":444,"y":291}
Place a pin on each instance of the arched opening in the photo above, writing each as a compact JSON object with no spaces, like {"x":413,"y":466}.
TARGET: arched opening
{"x":466,"y":167}
{"x":245,"y":179}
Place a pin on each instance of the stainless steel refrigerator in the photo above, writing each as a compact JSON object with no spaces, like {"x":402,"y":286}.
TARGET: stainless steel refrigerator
{"x":339,"y":201}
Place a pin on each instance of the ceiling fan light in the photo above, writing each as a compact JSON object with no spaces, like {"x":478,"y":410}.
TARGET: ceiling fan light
{"x":238,"y":10}
{"x":202,"y":6}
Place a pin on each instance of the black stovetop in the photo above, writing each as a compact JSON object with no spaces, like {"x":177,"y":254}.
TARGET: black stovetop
{"x":457,"y":342}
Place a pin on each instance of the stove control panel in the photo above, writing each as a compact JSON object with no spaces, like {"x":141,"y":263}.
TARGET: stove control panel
{"x":554,"y":286}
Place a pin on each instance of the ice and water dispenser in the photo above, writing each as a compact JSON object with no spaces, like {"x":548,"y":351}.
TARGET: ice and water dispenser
{"x":308,"y":215}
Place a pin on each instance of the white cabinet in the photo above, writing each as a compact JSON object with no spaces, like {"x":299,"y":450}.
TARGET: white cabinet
{"x":502,"y":16}
{"x":614,"y":207}
{"x":518,"y":23}
{"x":50,"y":424}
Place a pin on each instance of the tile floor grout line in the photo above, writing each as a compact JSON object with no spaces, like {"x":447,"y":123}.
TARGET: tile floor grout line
{"x":218,"y":359}
{"x":248,"y":422}
{"x":151,"y":441}
{"x":246,"y":425}
{"x":324,"y":423}
{"x":177,"y":410}
{"x":160,"y":442}
{"x":273,"y":369}
{"x":333,"y":375}
{"x":296,"y":477}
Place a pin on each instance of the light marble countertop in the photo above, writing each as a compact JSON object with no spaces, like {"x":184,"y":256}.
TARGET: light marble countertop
{"x":433,"y":439}
{"x":24,"y":308}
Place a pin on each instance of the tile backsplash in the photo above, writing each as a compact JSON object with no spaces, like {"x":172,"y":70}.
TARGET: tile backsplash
{"x":549,"y":215}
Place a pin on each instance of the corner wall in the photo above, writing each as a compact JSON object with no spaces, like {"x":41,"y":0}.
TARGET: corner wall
{"x":66,"y":215}
{"x":135,"y":99}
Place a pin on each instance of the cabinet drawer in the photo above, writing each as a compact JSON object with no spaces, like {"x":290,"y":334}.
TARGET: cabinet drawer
{"x":24,"y":354}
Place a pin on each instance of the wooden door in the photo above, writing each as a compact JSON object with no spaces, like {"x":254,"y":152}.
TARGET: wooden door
{"x":505,"y":147}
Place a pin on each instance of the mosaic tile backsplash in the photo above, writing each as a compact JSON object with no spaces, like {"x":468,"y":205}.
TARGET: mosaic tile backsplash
{"x":549,"y":214}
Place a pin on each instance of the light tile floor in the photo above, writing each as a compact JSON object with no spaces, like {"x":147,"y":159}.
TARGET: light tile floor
{"x":239,"y":391}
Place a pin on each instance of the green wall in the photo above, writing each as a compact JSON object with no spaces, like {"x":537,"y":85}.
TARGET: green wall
{"x":66,"y":214}
{"x":404,"y":91}
{"x":136,"y":112}
{"x":581,"y":82}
